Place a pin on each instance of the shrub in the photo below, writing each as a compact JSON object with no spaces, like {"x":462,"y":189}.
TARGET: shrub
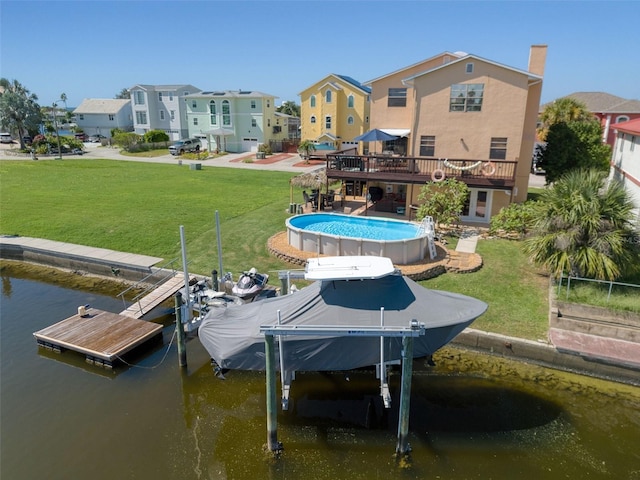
{"x":127,"y":140}
{"x":155,"y":136}
{"x":265,"y":148}
{"x":516,"y":219}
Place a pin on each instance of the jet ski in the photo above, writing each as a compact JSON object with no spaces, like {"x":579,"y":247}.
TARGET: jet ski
{"x":250,"y":284}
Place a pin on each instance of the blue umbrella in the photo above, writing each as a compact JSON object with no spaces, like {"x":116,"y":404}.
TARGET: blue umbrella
{"x":374,"y":135}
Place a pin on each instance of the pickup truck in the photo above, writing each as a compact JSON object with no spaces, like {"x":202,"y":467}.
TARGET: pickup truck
{"x":186,"y":145}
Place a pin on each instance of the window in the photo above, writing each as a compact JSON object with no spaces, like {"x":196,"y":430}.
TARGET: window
{"x":226,"y":113}
{"x":172,"y":113}
{"x":397,"y":97}
{"x":312,"y":101}
{"x":159,"y":96}
{"x":193,"y":104}
{"x":112,"y":118}
{"x":268,"y":103}
{"x":349,"y":120}
{"x":138,"y":97}
{"x":633,"y":143}
{"x":469,"y":68}
{"x":622,"y":118}
{"x":195,"y":120}
{"x":350,"y":101}
{"x":213,"y":119}
{"x":81,"y":116}
{"x":268,"y":122}
{"x":313,"y":119}
{"x":327,"y":96}
{"x":427,"y":145}
{"x":498,"y":150}
{"x":253,"y":104}
{"x":141,"y":117}
{"x":254,"y":123}
{"x":171,"y":96}
{"x":161,"y":114}
{"x":327,"y":122}
{"x":466,"y":97}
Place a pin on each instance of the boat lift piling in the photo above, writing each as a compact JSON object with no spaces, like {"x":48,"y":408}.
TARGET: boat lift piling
{"x":407,"y":333}
{"x":182,"y":347}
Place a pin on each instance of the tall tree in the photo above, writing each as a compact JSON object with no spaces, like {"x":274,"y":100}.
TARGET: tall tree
{"x":19,"y":111}
{"x":585,"y":227}
{"x":290,"y":108}
{"x":573,"y":145}
{"x":123,"y":94}
{"x":563,"y":110}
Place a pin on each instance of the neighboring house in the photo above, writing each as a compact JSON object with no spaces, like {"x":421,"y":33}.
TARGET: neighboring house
{"x":609,"y":109}
{"x":161,"y":107}
{"x":233,"y":121}
{"x":457,"y":115}
{"x":290,"y":126}
{"x":98,"y":116}
{"x":625,"y":161}
{"x":334,"y":110}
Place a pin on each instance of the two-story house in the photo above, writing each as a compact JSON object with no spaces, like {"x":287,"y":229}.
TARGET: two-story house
{"x":233,"y":121}
{"x":161,"y":107}
{"x":334,"y":111}
{"x":98,"y":116}
{"x":454,"y":115}
{"x":625,"y":161}
{"x":609,"y":109}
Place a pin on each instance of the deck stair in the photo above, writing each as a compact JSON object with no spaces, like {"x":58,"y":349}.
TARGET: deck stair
{"x":162,"y":292}
{"x":427,"y":228}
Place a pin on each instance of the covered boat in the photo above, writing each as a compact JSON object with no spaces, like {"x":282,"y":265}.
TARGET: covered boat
{"x":344,"y":296}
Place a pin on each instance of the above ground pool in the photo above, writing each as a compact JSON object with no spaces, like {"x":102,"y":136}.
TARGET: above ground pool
{"x":336,"y":234}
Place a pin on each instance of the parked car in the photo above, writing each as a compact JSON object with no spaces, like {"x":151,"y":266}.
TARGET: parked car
{"x":186,"y":145}
{"x":27,"y":139}
{"x":81,"y":136}
{"x":96,"y":138}
{"x":5,"y":138}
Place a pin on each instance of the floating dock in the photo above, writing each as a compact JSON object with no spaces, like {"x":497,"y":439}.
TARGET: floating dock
{"x":102,"y":336}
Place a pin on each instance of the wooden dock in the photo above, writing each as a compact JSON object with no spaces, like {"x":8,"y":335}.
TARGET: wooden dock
{"x":102,"y":336}
{"x":141,"y":307}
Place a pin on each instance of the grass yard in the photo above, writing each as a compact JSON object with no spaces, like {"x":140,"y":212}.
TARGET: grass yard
{"x":139,"y":208}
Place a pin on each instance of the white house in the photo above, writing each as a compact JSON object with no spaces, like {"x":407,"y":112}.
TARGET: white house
{"x":98,"y":116}
{"x":625,"y":160}
{"x":161,"y":107}
{"x":233,"y":121}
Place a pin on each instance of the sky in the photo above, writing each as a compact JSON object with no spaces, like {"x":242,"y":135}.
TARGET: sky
{"x":94,"y":49}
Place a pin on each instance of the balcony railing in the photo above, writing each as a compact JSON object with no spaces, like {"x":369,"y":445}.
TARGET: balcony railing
{"x":498,"y":173}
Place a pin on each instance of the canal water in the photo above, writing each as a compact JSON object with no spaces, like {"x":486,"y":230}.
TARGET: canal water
{"x":472,"y":416}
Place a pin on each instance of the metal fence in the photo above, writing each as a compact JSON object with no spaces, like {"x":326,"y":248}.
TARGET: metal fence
{"x":611,"y":284}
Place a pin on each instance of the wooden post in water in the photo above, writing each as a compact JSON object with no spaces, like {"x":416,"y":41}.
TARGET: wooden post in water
{"x":272,"y":407}
{"x":182,"y":348}
{"x":405,"y":396}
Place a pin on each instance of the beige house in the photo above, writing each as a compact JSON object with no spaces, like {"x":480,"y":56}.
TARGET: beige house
{"x":455,"y":115}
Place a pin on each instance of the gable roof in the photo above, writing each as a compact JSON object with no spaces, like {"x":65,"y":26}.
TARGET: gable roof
{"x":176,"y":87}
{"x":632,"y":126}
{"x":466,"y":58}
{"x":231,"y":94}
{"x":602,"y":102}
{"x":102,"y":105}
{"x":346,"y":79}
{"x":443,"y":54}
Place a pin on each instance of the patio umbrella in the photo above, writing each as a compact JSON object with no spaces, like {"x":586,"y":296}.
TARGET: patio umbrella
{"x":374,"y":135}
{"x":312,"y":180}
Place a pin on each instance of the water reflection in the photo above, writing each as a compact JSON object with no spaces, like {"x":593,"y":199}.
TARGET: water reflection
{"x":472,"y":416}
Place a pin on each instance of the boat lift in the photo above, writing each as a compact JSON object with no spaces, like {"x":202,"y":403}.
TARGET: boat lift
{"x":414,"y":329}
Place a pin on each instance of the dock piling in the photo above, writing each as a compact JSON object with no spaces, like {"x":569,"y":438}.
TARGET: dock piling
{"x":182,"y":348}
{"x":405,"y":396}
{"x":272,"y":410}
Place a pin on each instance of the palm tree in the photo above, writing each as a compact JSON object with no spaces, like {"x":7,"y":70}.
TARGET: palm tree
{"x":584,"y":227}
{"x":306,"y":146}
{"x":563,"y":110}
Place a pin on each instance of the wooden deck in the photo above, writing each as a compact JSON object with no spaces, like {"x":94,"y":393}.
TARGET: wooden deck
{"x":101,"y":336}
{"x":141,"y":307}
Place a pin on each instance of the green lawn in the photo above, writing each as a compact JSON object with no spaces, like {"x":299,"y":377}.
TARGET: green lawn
{"x":139,"y":207}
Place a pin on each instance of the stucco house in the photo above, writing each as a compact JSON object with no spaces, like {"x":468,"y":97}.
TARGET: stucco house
{"x":98,"y":116}
{"x":609,"y":109}
{"x":455,"y":115}
{"x":233,"y":120}
{"x":625,"y":161}
{"x":334,"y":110}
{"x":161,"y":107}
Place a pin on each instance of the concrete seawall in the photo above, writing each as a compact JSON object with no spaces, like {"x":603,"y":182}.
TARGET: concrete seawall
{"x":133,"y":267}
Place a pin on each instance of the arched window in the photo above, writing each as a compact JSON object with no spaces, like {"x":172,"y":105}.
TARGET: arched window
{"x":313,"y":119}
{"x":213,"y":118}
{"x":350,"y":101}
{"x":622,"y":118}
{"x":327,"y":96}
{"x":312,"y":101}
{"x":226,"y":113}
{"x":349,"y":120}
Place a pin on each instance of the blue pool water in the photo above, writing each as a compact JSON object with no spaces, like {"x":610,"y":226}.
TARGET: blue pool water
{"x":324,"y":146}
{"x":355,"y":227}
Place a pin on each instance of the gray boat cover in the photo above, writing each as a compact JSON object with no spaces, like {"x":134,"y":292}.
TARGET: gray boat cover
{"x":232,"y":335}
